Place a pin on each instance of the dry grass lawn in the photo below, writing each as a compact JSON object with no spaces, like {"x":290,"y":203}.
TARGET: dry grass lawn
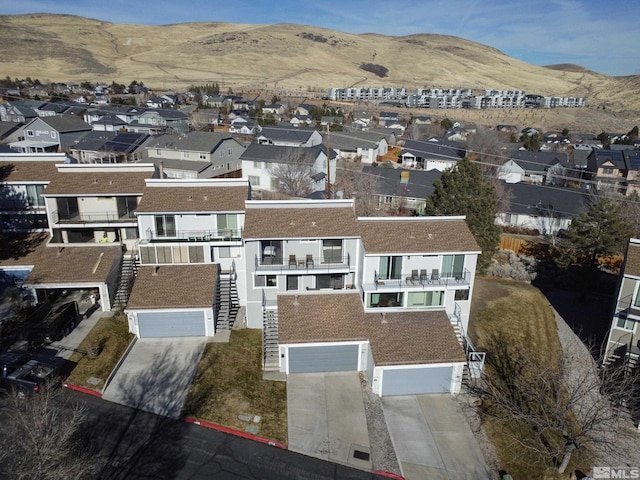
{"x":229,"y":383}
{"x":524,"y":314}
{"x":112,"y":335}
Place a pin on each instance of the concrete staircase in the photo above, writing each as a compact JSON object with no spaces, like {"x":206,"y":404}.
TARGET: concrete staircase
{"x":129,"y":267}
{"x":270,"y":352}
{"x":227,"y":301}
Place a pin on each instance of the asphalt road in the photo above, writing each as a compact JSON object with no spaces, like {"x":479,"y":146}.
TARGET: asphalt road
{"x":137,"y":445}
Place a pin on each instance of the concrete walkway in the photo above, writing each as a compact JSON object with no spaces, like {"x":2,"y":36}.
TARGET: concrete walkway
{"x":327,"y":419}
{"x":432,"y":438}
{"x":156,"y":374}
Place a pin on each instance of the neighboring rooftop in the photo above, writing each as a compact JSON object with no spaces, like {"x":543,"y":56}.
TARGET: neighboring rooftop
{"x":395,"y":337}
{"x":172,"y":198}
{"x":416,"y":235}
{"x":307,"y":222}
{"x":174,"y":286}
{"x":27,"y":171}
{"x":632,"y":260}
{"x":98,"y":182}
{"x":53,"y":265}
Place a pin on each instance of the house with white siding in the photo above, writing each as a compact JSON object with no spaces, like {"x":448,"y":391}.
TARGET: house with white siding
{"x":388,"y":296}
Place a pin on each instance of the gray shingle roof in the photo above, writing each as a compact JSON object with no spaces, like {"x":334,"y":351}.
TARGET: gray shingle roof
{"x":280,"y":154}
{"x":537,"y":161}
{"x":420,"y":183}
{"x":192,"y":141}
{"x":66,"y":123}
{"x":528,"y":199}
{"x":289,"y":134}
{"x":425,"y":149}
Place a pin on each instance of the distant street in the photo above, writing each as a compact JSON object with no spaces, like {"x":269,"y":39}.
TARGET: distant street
{"x":140,"y":445}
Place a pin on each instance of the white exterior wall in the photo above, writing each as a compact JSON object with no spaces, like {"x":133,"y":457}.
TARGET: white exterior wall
{"x":440,"y":165}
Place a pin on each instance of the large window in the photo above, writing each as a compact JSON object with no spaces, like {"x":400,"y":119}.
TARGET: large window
{"x":227,"y":224}
{"x":254,"y":180}
{"x":332,"y":251}
{"x":385,"y":300}
{"x":266,"y":281}
{"x":292,"y":282}
{"x":34,"y":195}
{"x":335,"y":281}
{"x":165,"y":225}
{"x":390,"y":268}
{"x":426,"y":299}
{"x":452,"y":265}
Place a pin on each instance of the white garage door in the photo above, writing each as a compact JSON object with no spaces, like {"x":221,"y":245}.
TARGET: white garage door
{"x":172,"y":324}
{"x":325,"y":358}
{"x":416,"y":381}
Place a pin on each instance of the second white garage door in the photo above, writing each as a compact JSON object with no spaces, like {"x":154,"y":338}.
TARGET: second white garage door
{"x":325,"y":358}
{"x":172,"y":324}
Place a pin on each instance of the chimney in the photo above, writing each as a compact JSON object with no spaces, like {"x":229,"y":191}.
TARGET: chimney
{"x":404,"y":176}
{"x":383,"y":315}
{"x":295,"y":300}
{"x":161,"y":168}
{"x":155,"y":271}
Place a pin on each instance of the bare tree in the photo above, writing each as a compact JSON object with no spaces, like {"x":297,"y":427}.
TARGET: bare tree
{"x":364,"y":188}
{"x":553,"y":407}
{"x":292,"y":171}
{"x":485,"y":147}
{"x":40,"y":438}
{"x":630,"y":211}
{"x":548,"y":221}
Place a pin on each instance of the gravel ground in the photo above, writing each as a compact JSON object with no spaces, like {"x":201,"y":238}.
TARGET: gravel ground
{"x":383,"y":455}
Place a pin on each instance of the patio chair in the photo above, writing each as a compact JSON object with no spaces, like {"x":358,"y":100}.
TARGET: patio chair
{"x":414,"y":276}
{"x":309,"y":261}
{"x":292,"y":261}
{"x":423,"y":276}
{"x":435,"y":275}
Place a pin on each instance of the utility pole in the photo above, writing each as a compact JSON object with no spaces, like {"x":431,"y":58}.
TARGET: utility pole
{"x":328,"y":164}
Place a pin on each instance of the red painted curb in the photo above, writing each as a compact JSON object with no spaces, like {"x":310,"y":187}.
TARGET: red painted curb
{"x":237,"y":433}
{"x":77,"y":388}
{"x":388,"y":475}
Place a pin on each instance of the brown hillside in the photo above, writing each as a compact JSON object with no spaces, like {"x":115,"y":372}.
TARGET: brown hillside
{"x":282,"y":57}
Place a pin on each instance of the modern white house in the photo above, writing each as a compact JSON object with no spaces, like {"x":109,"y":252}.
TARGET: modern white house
{"x":389,"y":296}
{"x":190,"y":254}
{"x":23,"y":178}
{"x":623,"y":345}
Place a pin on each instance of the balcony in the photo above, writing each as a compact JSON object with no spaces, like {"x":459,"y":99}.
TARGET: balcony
{"x":60,"y":218}
{"x":222,"y":235}
{"x":625,"y":308}
{"x":421,"y":280}
{"x":277,"y":264}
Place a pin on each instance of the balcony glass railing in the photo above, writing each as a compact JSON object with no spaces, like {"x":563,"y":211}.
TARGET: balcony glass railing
{"x":94,"y":217}
{"x":423,"y":279}
{"x":301,"y":263}
{"x":194,"y":235}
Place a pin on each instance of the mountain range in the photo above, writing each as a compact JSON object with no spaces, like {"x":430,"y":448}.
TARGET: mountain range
{"x":282,"y":57}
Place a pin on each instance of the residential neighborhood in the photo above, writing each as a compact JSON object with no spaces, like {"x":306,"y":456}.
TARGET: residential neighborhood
{"x":192,"y":220}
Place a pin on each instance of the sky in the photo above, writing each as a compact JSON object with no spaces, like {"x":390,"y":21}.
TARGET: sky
{"x":601,"y":36}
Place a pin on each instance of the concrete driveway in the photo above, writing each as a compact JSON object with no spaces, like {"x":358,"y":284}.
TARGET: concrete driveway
{"x":327,"y":419}
{"x":156,"y":374}
{"x":432,"y":439}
